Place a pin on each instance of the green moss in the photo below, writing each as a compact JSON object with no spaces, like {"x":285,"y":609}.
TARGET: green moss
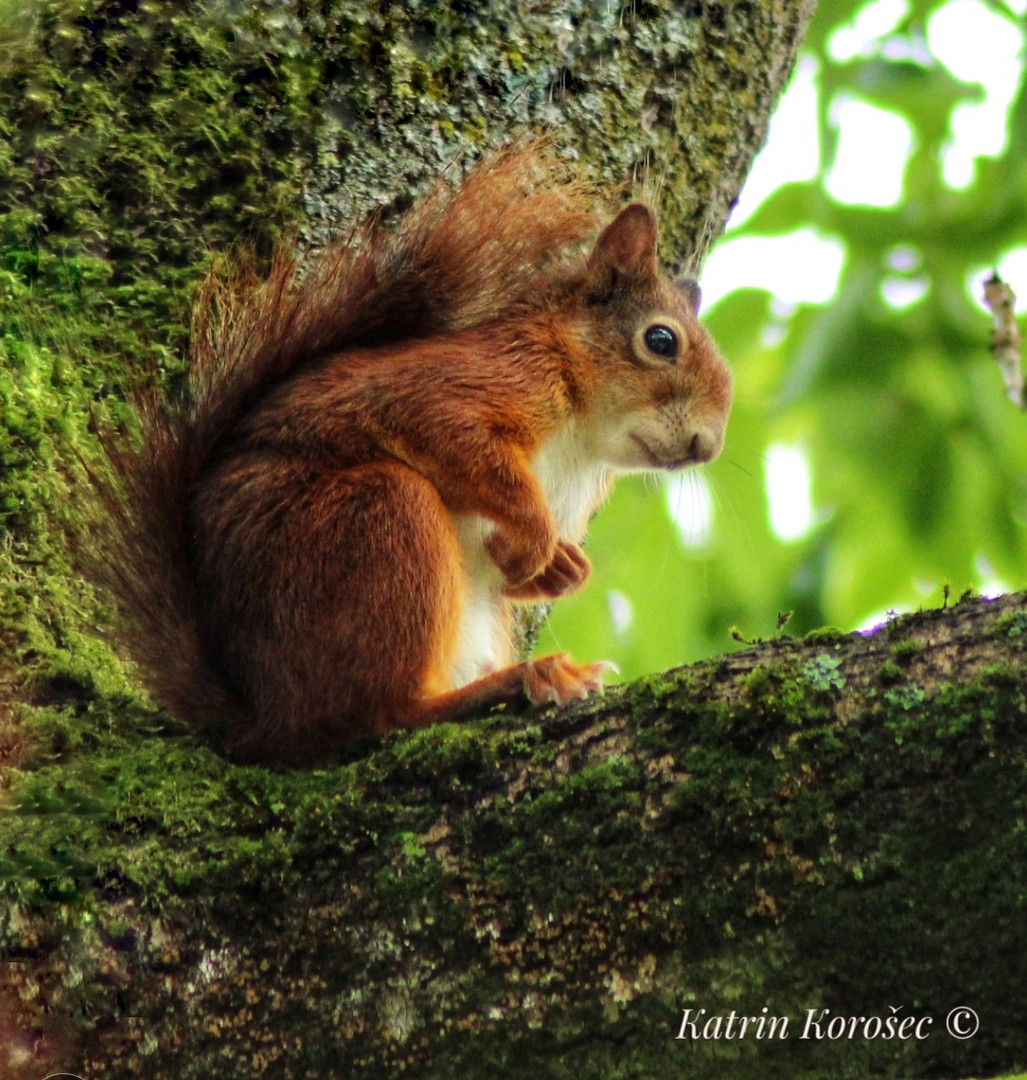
{"x":759,"y":680}
{"x":138,"y":141}
{"x":1013,"y":624}
{"x":652,"y":690}
{"x":889,"y":673}
{"x":778,"y":849}
{"x":793,"y":693}
{"x":828,"y":635}
{"x":903,"y":652}
{"x":135,"y":140}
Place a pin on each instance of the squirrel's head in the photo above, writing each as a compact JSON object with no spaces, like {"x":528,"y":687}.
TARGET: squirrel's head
{"x":664,"y":391}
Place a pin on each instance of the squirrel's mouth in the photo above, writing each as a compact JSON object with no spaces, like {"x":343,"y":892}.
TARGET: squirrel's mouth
{"x":655,"y":461}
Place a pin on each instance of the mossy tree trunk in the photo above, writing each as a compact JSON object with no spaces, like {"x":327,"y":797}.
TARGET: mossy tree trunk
{"x":818,"y":831}
{"x":835,"y":824}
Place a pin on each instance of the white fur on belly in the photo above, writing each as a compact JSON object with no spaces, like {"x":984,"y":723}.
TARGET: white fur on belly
{"x":574,"y":484}
{"x":484,"y":639}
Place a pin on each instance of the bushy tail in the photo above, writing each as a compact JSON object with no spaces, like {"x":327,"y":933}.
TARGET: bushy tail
{"x":502,"y":240}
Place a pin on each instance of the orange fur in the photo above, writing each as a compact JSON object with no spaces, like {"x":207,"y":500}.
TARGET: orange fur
{"x":387,"y":448}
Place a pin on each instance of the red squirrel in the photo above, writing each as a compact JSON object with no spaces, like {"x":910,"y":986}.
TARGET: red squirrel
{"x":385,"y":449}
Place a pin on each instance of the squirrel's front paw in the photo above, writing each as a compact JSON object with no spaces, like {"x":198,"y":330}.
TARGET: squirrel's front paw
{"x":568,"y":570}
{"x":521,"y":558}
{"x":558,"y":680}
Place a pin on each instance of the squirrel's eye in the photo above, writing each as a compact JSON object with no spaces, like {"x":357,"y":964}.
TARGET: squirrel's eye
{"x":662,"y":341}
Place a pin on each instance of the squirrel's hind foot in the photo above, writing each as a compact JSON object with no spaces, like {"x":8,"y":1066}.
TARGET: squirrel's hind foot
{"x":551,"y":680}
{"x":558,"y":680}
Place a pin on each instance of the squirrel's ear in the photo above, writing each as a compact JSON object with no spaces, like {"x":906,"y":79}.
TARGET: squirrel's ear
{"x":626,"y":248}
{"x":689,"y":289}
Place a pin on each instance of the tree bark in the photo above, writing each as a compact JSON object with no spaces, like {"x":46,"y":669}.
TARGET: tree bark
{"x":670,"y":94}
{"x":820,"y":832}
{"x":834,"y":825}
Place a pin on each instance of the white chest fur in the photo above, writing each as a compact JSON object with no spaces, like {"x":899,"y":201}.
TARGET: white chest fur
{"x":574,"y":484}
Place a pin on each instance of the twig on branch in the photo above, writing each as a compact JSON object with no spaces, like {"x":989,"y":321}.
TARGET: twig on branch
{"x":1006,"y":340}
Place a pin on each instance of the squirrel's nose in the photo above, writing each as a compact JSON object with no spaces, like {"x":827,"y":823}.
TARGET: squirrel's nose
{"x":706,"y":443}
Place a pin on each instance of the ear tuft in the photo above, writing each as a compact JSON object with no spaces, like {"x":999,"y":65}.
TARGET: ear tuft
{"x":626,"y":248}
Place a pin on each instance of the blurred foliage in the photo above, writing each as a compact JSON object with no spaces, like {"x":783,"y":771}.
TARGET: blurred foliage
{"x":919,"y":461}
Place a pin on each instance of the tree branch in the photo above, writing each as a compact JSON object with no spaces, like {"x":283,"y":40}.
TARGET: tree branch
{"x":834,"y":823}
{"x":1005,"y":343}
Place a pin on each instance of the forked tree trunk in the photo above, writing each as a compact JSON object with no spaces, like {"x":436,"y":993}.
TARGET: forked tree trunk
{"x":824,"y":836}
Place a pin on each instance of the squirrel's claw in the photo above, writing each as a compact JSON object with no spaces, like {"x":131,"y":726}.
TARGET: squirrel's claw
{"x":558,"y":680}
